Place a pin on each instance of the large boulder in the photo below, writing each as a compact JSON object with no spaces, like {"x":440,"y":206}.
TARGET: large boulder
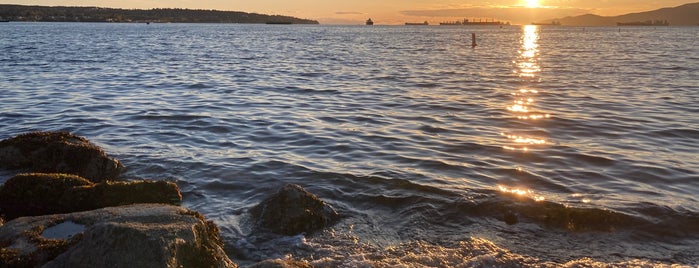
{"x":293,"y":210}
{"x":58,"y":152}
{"x":144,"y":235}
{"x":42,"y":194}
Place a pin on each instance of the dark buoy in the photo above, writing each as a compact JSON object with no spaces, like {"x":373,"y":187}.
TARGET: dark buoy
{"x":473,"y":40}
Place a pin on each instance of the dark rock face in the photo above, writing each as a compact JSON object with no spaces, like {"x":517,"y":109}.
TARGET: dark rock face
{"x":293,"y":210}
{"x":145,"y":235}
{"x":58,"y":152}
{"x":42,"y":194}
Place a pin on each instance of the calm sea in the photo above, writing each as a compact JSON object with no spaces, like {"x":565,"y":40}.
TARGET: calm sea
{"x":548,"y":146}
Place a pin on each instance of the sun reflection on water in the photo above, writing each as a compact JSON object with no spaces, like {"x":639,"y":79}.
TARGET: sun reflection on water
{"x":524,"y":107}
{"x":521,"y":192}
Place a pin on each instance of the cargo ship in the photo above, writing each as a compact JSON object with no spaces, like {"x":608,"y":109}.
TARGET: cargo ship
{"x":645,"y":23}
{"x":491,"y":22}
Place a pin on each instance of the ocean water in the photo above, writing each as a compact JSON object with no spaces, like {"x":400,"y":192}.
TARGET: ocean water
{"x":542,"y":146}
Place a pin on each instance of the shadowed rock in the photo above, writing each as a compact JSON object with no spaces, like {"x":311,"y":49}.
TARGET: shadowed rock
{"x":144,"y":235}
{"x":58,"y":152}
{"x":41,"y":194}
{"x":293,"y":210}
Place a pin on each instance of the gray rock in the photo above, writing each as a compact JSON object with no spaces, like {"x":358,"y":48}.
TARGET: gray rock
{"x":146,"y":235}
{"x":37,"y":194}
{"x":58,"y":152}
{"x":293,"y":210}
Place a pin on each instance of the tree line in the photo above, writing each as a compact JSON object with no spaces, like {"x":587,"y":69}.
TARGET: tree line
{"x":98,"y":14}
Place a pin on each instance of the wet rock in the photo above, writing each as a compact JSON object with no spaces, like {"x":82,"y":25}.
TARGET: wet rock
{"x":143,"y":235}
{"x":279,"y":263}
{"x":58,"y":152}
{"x":510,"y":218}
{"x":42,"y":194}
{"x":293,"y":210}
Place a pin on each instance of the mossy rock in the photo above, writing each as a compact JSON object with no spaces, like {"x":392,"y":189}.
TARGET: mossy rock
{"x":37,"y":194}
{"x":141,"y":235}
{"x":293,"y":210}
{"x":58,"y":152}
{"x":136,"y":192}
{"x":41,"y":194}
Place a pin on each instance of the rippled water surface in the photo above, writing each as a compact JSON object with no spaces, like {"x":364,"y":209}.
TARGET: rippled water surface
{"x":584,"y":138}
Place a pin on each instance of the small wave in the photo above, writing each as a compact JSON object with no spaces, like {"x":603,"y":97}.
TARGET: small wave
{"x":432,"y":130}
{"x":682,"y":133}
{"x":198,"y":86}
{"x":473,"y":252}
{"x":299,"y":90}
{"x":162,"y":117}
{"x":427,"y":85}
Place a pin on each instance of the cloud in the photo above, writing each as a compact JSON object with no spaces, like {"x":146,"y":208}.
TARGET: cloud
{"x":348,"y":13}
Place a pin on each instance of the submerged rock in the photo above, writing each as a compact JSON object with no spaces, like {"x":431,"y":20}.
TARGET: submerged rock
{"x":42,"y":194}
{"x":58,"y":152}
{"x":293,"y":210}
{"x":144,"y":235}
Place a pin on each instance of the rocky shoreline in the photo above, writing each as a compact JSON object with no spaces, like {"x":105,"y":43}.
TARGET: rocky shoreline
{"x":67,"y":208}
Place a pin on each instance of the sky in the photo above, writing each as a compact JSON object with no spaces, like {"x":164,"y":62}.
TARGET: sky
{"x":392,"y":11}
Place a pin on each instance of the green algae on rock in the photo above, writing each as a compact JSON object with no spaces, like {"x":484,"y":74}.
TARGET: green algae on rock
{"x":41,"y":194}
{"x":58,"y":152}
{"x":293,"y":210}
{"x":142,"y":235}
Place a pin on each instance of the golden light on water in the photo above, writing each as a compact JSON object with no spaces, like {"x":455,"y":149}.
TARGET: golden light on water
{"x":528,"y":62}
{"x":524,"y":105}
{"x":583,"y":199}
{"x":525,"y":139}
{"x":528,"y":68}
{"x":518,"y":108}
{"x":533,"y":116}
{"x":521,"y":192}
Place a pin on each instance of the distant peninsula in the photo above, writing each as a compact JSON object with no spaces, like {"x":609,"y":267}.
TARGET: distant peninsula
{"x":684,"y":15}
{"x":175,"y":15}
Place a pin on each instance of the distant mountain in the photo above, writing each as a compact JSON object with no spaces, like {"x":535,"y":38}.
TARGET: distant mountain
{"x":98,"y":14}
{"x":683,"y":15}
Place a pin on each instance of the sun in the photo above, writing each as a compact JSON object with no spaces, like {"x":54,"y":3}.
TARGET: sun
{"x":531,"y":3}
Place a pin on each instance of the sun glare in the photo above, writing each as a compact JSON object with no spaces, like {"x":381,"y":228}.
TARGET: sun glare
{"x":532,"y":3}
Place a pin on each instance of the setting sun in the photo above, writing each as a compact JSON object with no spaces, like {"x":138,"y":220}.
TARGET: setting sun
{"x":532,"y":3}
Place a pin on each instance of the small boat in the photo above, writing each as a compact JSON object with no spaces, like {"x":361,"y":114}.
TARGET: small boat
{"x":369,"y":22}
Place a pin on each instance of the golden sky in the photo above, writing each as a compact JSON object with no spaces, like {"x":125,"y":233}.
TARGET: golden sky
{"x":392,"y":11}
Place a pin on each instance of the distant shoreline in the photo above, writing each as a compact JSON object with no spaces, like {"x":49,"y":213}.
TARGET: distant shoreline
{"x":158,"y":15}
